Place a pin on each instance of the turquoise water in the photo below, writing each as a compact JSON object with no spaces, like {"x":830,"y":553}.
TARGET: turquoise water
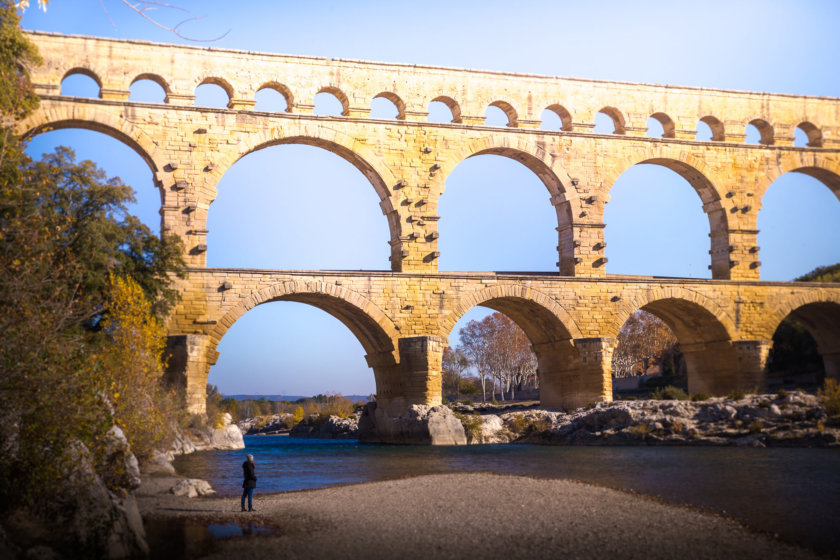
{"x":790,"y":491}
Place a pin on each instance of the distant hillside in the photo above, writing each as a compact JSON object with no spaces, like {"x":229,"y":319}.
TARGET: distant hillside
{"x":829,"y":273}
{"x":292,"y":398}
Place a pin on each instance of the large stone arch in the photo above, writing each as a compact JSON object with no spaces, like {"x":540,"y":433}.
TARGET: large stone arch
{"x":64,"y":116}
{"x":697,"y":173}
{"x":369,"y":324}
{"x":539,"y":315}
{"x":703,"y":329}
{"x":338,"y":143}
{"x":825,"y":170}
{"x":539,"y":161}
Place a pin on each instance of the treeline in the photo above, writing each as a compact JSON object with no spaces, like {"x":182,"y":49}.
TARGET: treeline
{"x":84,"y":287}
{"x":322,"y":405}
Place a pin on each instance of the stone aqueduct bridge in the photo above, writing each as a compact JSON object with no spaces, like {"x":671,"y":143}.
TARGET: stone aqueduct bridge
{"x":402,"y":317}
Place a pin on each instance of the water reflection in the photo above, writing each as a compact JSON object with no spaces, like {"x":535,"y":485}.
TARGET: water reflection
{"x":793,"y":492}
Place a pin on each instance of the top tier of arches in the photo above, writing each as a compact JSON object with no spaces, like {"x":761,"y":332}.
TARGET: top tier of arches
{"x":179,"y":70}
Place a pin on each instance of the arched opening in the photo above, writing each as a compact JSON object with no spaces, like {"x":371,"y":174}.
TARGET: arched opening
{"x":759,"y":131}
{"x":705,"y":359}
{"x":115,"y":156}
{"x":213,"y":93}
{"x":331,"y":102}
{"x":799,"y":223}
{"x":660,"y":125}
{"x":387,"y":105}
{"x":148,"y":88}
{"x":556,"y":117}
{"x":444,"y":109}
{"x":710,"y":129}
{"x":806,"y":348}
{"x":278,"y":349}
{"x":273,"y":98}
{"x":81,"y":82}
{"x":646,"y":357}
{"x":655,"y":224}
{"x":537,"y":336}
{"x":500,"y":113}
{"x":298,"y":207}
{"x":609,"y":120}
{"x":495,"y":215}
{"x":807,"y":135}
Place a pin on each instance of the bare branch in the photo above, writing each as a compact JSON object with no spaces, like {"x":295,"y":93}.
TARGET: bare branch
{"x":142,"y":6}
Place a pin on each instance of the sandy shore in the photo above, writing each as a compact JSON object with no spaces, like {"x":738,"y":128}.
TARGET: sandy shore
{"x":469,"y":515}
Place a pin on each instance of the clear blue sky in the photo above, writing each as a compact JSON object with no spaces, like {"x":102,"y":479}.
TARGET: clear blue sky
{"x":777,"y":46}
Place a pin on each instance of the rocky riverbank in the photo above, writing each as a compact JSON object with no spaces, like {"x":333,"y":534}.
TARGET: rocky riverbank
{"x":784,"y":419}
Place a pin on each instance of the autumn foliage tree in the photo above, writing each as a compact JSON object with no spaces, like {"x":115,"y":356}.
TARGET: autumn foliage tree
{"x":81,"y":285}
{"x":642,"y":342}
{"x":500,"y":352}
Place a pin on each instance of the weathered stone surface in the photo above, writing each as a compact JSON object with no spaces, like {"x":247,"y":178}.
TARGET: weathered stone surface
{"x":420,"y":425}
{"x":192,"y":487}
{"x":403,"y":317}
{"x":755,"y":421}
{"x":267,"y":425}
{"x":333,"y":427}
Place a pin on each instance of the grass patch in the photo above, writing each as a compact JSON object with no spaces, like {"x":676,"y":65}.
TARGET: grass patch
{"x":669,"y":393}
{"x":472,"y":425}
{"x":697,"y":397}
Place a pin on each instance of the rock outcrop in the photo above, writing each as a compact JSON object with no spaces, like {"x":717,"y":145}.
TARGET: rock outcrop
{"x":192,"y":487}
{"x":91,"y":514}
{"x":267,"y":425}
{"x":333,"y":427}
{"x":795,"y":419}
{"x":420,"y":424}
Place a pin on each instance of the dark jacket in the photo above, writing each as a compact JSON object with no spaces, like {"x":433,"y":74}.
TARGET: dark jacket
{"x":248,"y":471}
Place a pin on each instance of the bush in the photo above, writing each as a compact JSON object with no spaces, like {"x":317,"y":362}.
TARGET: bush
{"x":517,"y":423}
{"x":764,"y":404}
{"x":669,"y":393}
{"x":641,"y":429}
{"x":697,"y":397}
{"x":782,"y":394}
{"x":467,"y":402}
{"x":472,"y":425}
{"x":736,"y":395}
{"x":830,"y":397}
{"x":755,"y":427}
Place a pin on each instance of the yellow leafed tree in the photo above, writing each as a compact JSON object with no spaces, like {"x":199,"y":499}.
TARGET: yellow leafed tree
{"x":132,"y":361}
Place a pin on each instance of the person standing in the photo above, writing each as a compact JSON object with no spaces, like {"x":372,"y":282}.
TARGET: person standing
{"x":249,"y":483}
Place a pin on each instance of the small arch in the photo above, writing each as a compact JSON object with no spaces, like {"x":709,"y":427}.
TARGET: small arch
{"x":270,"y":101}
{"x":716,"y":129}
{"x":81,"y":86}
{"x":764,"y":130}
{"x":560,"y":113}
{"x":154,"y":78}
{"x":448,"y":102}
{"x":213,"y":92}
{"x":813,"y":135}
{"x":509,"y":112}
{"x":387,"y":103}
{"x":148,"y":88}
{"x":616,"y":117}
{"x":331,"y":101}
{"x":667,"y":124}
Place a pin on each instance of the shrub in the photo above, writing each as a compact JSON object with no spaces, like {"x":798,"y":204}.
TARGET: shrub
{"x":764,"y":404}
{"x":830,"y":397}
{"x":736,"y":395}
{"x":782,"y":394}
{"x":697,"y":397}
{"x":669,"y":393}
{"x":494,"y":401}
{"x":755,"y":427}
{"x":589,"y":406}
{"x":641,"y":429}
{"x":630,"y":398}
{"x":472,"y":425}
{"x":538,"y":425}
{"x":467,"y":402}
{"x":517,"y":423}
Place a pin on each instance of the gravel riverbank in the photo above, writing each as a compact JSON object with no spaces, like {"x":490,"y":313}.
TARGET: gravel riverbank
{"x":467,"y":515}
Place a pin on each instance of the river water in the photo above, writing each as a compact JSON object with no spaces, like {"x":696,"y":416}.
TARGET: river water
{"x":790,"y":491}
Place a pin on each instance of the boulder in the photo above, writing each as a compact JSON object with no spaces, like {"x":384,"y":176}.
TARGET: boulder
{"x":419,"y":424}
{"x":334,"y":427}
{"x":192,"y":487}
